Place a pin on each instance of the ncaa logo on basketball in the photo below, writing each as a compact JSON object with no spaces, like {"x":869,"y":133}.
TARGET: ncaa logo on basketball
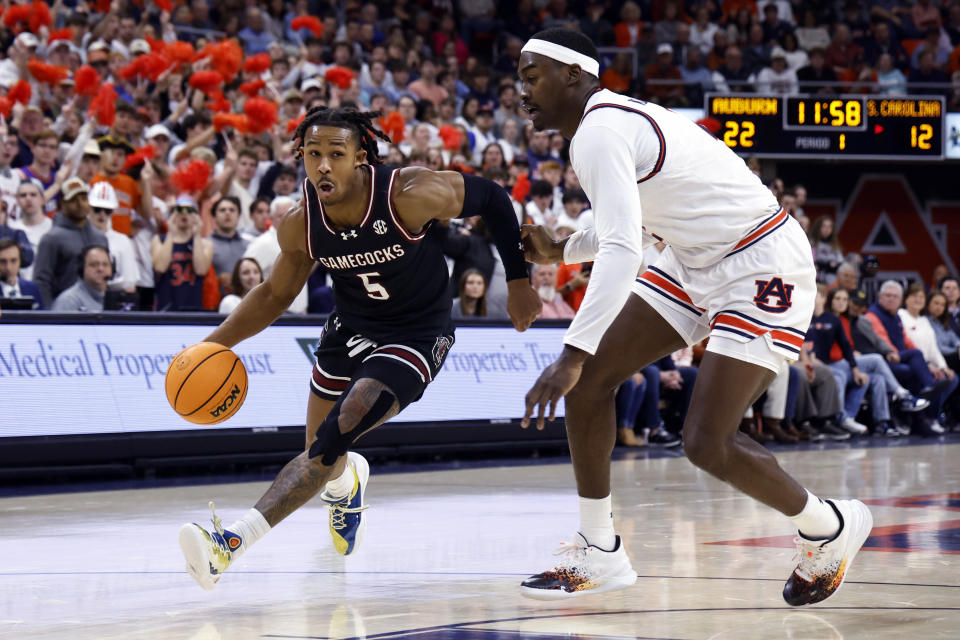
{"x":379,"y":227}
{"x":780,"y":293}
{"x":227,"y":402}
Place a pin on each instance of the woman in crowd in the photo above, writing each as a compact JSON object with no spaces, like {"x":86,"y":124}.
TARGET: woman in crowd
{"x":921,"y":331}
{"x":827,"y":252}
{"x":949,"y":344}
{"x":472,"y":301}
{"x":246,"y":275}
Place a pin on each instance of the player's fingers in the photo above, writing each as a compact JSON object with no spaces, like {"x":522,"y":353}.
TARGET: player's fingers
{"x":553,"y":407}
{"x":525,"y":231}
{"x":531,"y":402}
{"x":542,"y":411}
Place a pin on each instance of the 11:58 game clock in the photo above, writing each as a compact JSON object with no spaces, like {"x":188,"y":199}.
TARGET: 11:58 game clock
{"x":861,"y":127}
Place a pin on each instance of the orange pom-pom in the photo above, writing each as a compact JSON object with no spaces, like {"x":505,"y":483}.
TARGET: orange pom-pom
{"x":340,"y":76}
{"x":141,"y":155}
{"x":261,"y":114}
{"x":307,"y":22}
{"x":257,"y":64}
{"x":15,"y":15}
{"x":20,"y":92}
{"x":252,"y":88}
{"x":191,"y":176}
{"x":165,"y":5}
{"x":103,"y":6}
{"x":293,"y":123}
{"x":47,"y":73}
{"x":219,"y":102}
{"x":39,"y":16}
{"x":521,"y":188}
{"x":179,"y":52}
{"x":6,"y":106}
{"x":226,"y":57}
{"x":206,"y":81}
{"x":236,"y":120}
{"x":393,"y":125}
{"x":451,"y":136}
{"x":60,"y":34}
{"x":149,"y":65}
{"x":86,"y":81}
{"x":103,"y":108}
{"x":157,"y":46}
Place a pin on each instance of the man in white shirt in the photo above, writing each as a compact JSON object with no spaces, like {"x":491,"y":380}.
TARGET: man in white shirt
{"x":265,"y":249}
{"x":736,"y":268}
{"x":32,"y":220}
{"x":103,"y":202}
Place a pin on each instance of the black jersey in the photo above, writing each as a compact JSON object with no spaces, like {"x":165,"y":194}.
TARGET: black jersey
{"x":387,"y":282}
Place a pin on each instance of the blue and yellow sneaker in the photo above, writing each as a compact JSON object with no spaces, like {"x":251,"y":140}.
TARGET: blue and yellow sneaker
{"x":208,"y":554}
{"x":347,"y":525}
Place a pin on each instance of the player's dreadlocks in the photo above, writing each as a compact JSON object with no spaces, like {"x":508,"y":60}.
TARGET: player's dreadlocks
{"x":361,"y":122}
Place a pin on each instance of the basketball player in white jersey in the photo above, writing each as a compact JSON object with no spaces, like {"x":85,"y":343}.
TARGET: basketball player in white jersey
{"x":736,"y":268}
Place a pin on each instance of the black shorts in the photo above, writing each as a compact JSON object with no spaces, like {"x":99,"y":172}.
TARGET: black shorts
{"x":406,"y":368}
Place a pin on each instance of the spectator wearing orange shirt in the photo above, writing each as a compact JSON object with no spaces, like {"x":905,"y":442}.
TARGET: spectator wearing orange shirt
{"x":130,"y":194}
{"x":627,"y":31}
{"x":617,"y":77}
{"x":572,"y":280}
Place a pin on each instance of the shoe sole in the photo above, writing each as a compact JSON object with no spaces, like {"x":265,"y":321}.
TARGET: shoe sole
{"x":611,"y":584}
{"x":866,"y":515}
{"x":362,"y":467}
{"x":194,"y":547}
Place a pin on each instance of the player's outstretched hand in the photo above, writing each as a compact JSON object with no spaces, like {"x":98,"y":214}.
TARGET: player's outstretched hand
{"x":523,"y":303}
{"x":554,"y":383}
{"x":539,"y":246}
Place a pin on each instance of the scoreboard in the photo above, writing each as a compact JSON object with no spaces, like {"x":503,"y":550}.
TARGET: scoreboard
{"x":856,"y":127}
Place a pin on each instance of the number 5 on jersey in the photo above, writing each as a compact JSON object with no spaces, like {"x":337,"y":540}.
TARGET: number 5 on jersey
{"x":375,"y":290}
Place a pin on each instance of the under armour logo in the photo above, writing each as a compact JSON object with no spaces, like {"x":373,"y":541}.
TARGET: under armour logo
{"x":380,"y":227}
{"x":776,"y":288}
{"x":346,"y":235}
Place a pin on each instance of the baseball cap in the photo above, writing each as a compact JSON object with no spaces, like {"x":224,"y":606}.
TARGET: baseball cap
{"x":158,"y":130}
{"x":73,"y":187}
{"x":103,"y":196}
{"x":663,"y":48}
{"x":97,"y":55}
{"x":139,"y":46}
{"x":91,"y":148}
{"x":99,"y":45}
{"x":56,"y":43}
{"x":184,"y":201}
{"x":778,"y":52}
{"x":291,"y":94}
{"x":859,"y":297}
{"x":109,"y":142}
{"x":310,"y":83}
{"x":27,"y":39}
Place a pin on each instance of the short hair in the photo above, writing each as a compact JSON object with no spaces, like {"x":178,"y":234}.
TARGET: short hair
{"x":891,"y":285}
{"x":541,"y":188}
{"x":496,"y":173}
{"x":286,"y":170}
{"x":504,"y":88}
{"x":31,"y":182}
{"x":253,"y":205}
{"x":6,"y":243}
{"x":846,"y":266}
{"x":248,"y":153}
{"x":550,"y":165}
{"x":233,"y":199}
{"x":574,"y":195}
{"x":945,"y":279}
{"x":571,"y":40}
{"x":125,"y":107}
{"x":44,"y":134}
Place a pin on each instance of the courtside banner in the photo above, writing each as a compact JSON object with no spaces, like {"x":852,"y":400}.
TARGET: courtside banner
{"x":73,"y":379}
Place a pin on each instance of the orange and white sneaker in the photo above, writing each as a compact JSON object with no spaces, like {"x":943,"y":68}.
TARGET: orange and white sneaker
{"x":824,"y":563}
{"x":583,"y":570}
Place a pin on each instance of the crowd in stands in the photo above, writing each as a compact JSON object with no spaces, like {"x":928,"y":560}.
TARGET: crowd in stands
{"x":146,"y":161}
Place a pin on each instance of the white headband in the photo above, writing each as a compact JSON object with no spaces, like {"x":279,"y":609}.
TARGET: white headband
{"x":563,"y":54}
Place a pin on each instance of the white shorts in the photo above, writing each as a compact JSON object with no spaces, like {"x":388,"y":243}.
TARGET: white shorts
{"x":765,"y":288}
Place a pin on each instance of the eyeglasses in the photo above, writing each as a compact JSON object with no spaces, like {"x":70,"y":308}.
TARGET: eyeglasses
{"x":102,"y":210}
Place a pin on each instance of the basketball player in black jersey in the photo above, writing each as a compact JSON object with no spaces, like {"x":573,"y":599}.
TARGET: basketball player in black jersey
{"x":391,"y":328}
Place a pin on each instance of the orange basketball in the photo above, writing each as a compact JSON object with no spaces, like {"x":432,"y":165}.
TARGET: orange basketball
{"x":206,"y":383}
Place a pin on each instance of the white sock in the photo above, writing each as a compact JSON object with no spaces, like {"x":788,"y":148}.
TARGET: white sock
{"x":817,"y":520}
{"x":251,"y":527}
{"x":342,"y":486}
{"x":596,"y":522}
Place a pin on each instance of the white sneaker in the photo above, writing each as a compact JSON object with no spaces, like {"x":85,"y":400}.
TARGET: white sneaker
{"x":824,"y":563}
{"x":854,"y":427}
{"x":208,"y":554}
{"x":582,"y":570}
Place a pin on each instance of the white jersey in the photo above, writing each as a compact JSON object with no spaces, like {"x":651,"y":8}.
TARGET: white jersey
{"x":651,"y":174}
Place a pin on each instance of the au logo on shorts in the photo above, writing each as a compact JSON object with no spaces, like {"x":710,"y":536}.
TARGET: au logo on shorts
{"x":776,"y":289}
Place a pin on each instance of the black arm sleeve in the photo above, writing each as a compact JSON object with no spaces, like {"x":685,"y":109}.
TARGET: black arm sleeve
{"x":487,"y":199}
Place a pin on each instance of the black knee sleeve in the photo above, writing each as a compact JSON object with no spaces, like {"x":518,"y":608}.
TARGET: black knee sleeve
{"x":331,"y":443}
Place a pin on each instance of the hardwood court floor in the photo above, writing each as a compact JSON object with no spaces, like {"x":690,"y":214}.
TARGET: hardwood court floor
{"x":445,"y":551}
